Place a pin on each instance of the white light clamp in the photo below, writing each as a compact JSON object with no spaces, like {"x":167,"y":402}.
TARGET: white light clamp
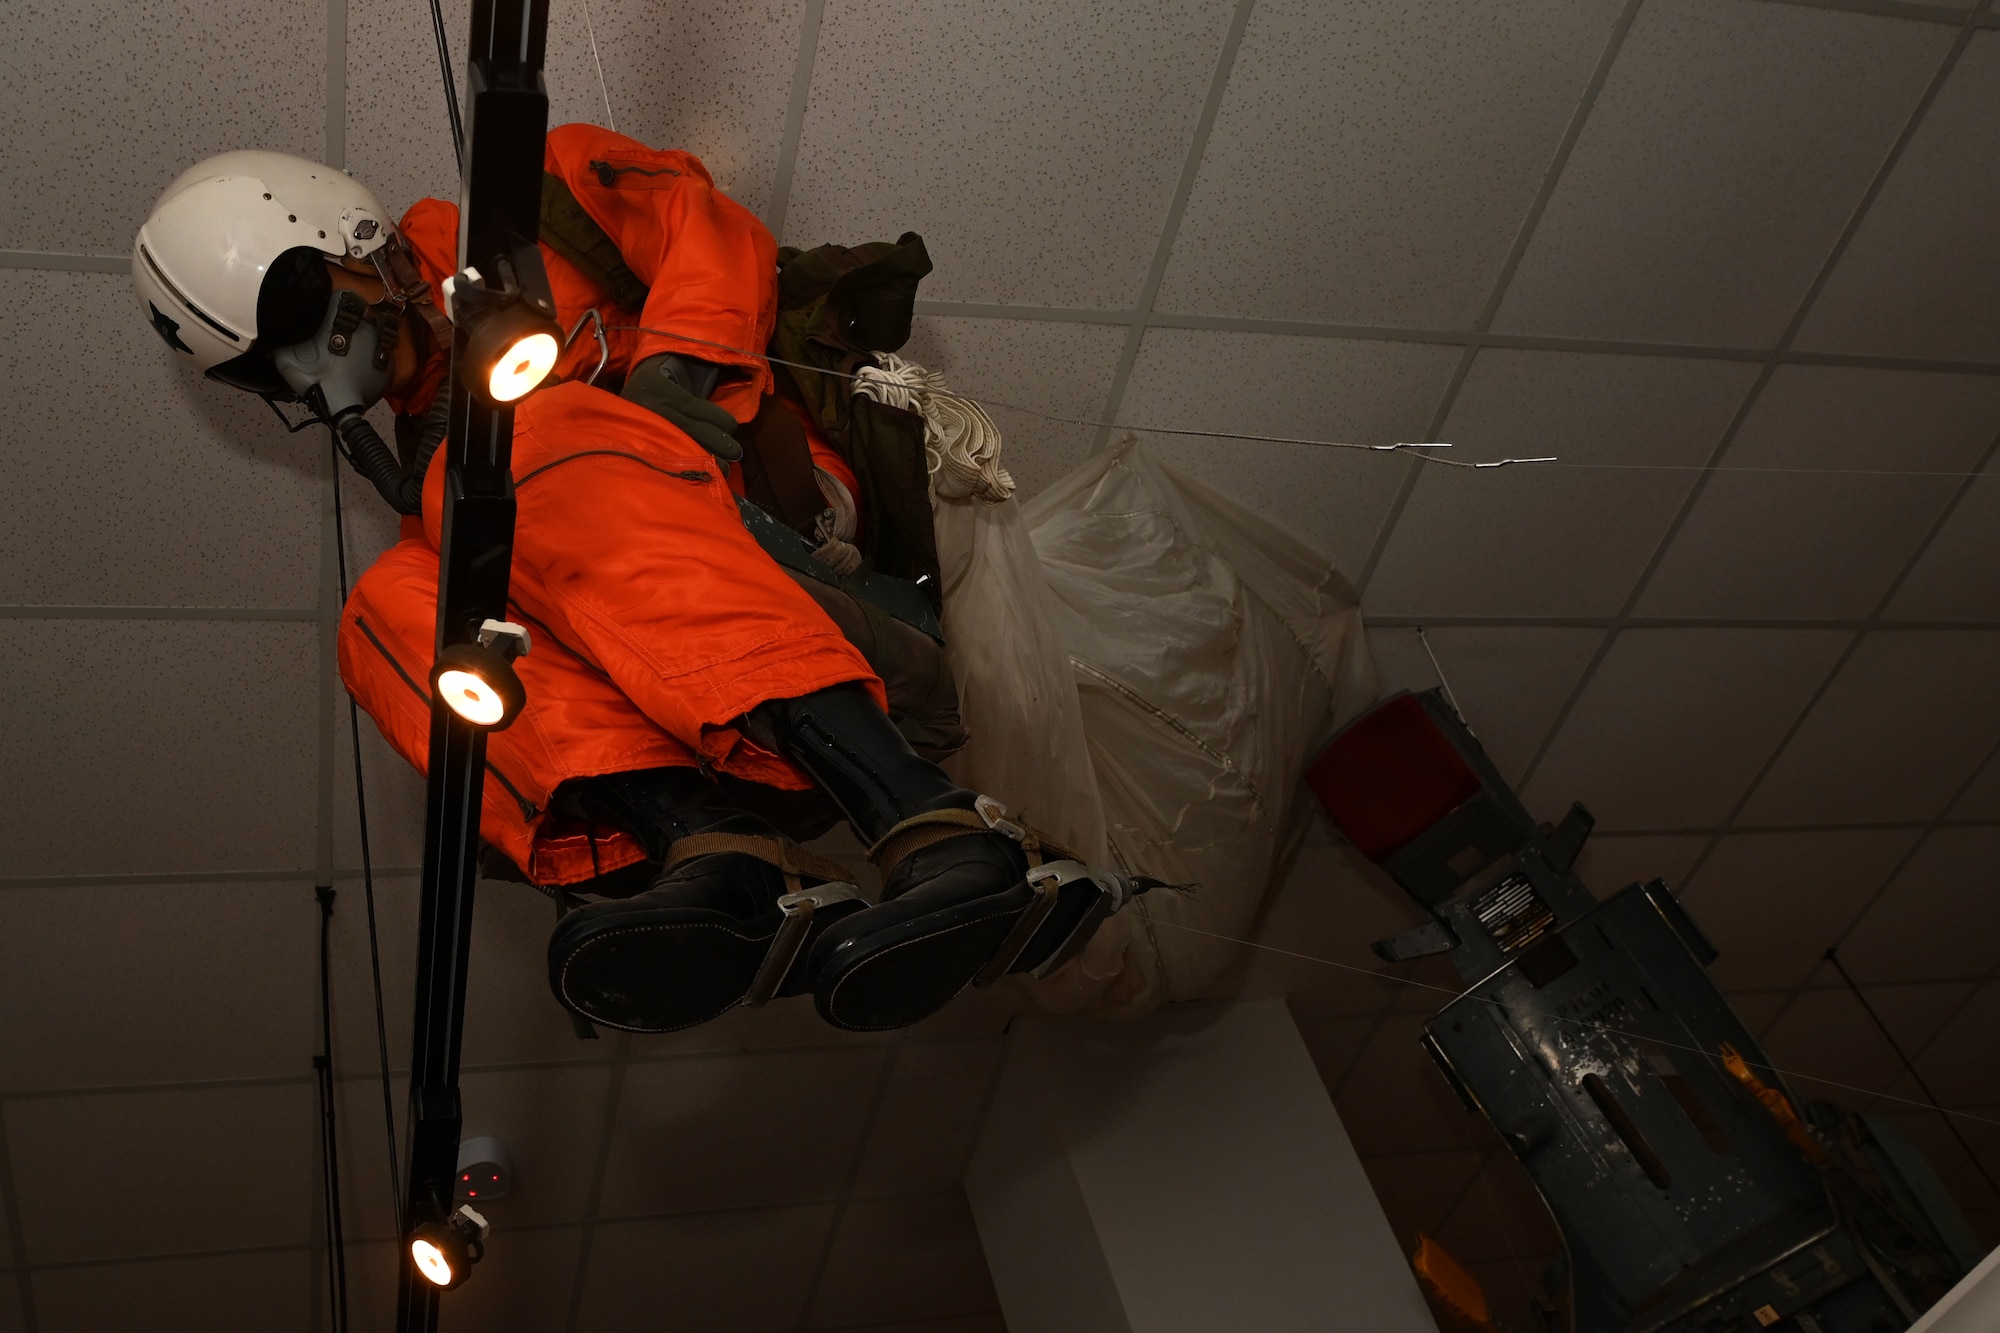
{"x":507,"y":638}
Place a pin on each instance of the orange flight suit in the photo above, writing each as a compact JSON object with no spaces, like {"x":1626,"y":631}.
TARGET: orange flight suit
{"x":657,"y":619}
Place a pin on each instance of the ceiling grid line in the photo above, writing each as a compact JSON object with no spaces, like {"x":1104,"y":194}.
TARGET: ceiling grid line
{"x":288,"y":875}
{"x":607,"y":1128}
{"x":1163,"y":249}
{"x":1855,"y":218}
{"x":868,"y":1122}
{"x":46,"y":612}
{"x":17,"y":1236}
{"x":795,"y":117}
{"x":1890,"y":9}
{"x":1669,"y":622}
{"x":1523,"y":236}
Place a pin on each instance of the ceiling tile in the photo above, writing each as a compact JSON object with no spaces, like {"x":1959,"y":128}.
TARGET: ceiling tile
{"x":1727,"y":150}
{"x":715,"y":81}
{"x":1937,"y":919}
{"x":369,"y":1211}
{"x":1567,"y":539}
{"x":511,"y":1014}
{"x":903,"y":1259}
{"x":1419,"y":1190}
{"x":1829,"y":1046}
{"x":1608,"y":864}
{"x":744,"y":1271}
{"x":1758,"y":1009}
{"x":1958,"y":1064}
{"x":1958,"y":577}
{"x":974,"y":1323}
{"x":214,"y":1168}
{"x":930,"y":1117}
{"x":722,"y":1131}
{"x":395,"y":793}
{"x":1799,"y":545}
{"x":103,"y":113}
{"x":156,"y":984}
{"x":398,"y":133}
{"x":1510,"y":682}
{"x":1039,"y":367}
{"x":245,"y":1293}
{"x":140,"y":745}
{"x":396,"y":897}
{"x":1368,"y":393}
{"x":1982,"y":798}
{"x":1372,"y":162}
{"x":1774,"y":902}
{"x":550,"y":1120}
{"x":140,"y":484}
{"x":1500,"y":1215}
{"x":1921,"y":277}
{"x":965,"y":127}
{"x":1909,"y":719}
{"x":12,"y":1320}
{"x":1396,"y":1101}
{"x":1676,"y":723}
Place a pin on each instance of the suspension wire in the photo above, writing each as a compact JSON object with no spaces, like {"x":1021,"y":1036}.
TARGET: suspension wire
{"x":1833,"y":956}
{"x":1594,"y":1026}
{"x":598,"y":60}
{"x":329,"y":1140}
{"x":368,"y":882}
{"x":450,"y":85}
{"x":1450,"y":698}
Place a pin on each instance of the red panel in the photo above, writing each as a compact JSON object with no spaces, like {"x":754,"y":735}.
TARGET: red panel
{"x":1389,"y":776}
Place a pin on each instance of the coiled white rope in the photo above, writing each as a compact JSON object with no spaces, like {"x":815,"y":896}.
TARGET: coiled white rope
{"x":961,"y":443}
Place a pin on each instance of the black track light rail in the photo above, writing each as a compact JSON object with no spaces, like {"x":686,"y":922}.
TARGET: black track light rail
{"x":500,"y":204}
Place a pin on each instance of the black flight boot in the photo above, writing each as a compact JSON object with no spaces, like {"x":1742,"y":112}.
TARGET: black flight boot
{"x":955,"y":892}
{"x":730,"y":918}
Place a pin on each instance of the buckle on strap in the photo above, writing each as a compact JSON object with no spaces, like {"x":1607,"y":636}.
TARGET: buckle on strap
{"x":1048,"y":881}
{"x":798,"y":908}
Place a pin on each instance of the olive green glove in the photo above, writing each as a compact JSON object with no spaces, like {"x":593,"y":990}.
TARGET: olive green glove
{"x":655,"y":384}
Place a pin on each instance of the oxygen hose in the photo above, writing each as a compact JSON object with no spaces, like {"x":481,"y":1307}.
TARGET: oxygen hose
{"x":372,"y":458}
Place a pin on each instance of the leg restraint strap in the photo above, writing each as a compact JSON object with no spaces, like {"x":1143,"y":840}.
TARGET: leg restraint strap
{"x":797,"y":905}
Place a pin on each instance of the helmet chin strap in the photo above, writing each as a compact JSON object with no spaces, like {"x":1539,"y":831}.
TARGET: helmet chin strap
{"x":406,"y":289}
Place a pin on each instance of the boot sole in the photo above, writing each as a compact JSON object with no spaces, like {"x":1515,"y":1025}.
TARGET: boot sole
{"x":909,"y":971}
{"x":659,"y":975}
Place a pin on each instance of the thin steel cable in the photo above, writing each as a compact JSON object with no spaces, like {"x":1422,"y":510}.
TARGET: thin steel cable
{"x":1833,"y":956}
{"x":1606,"y":1028}
{"x":450,"y":85}
{"x":368,"y":882}
{"x":590,"y":27}
{"x":1449,"y":697}
{"x":336,"y":1239}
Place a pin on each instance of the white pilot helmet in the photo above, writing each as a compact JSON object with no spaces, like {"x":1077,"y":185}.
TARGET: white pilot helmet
{"x":232,"y":261}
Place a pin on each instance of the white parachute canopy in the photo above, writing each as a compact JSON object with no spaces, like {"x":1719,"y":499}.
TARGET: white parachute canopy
{"x":1146,"y":668}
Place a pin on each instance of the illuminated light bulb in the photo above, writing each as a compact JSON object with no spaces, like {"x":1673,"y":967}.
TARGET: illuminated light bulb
{"x":470,"y":697}
{"x":431,"y":1262}
{"x":524,"y":365}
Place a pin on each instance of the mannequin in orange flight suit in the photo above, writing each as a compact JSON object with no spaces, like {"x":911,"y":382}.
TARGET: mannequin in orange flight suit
{"x":671,"y":654}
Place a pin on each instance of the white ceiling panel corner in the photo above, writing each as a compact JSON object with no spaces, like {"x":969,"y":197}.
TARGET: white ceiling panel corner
{"x":1676,"y":723}
{"x":1774,"y":902}
{"x":245,"y":1293}
{"x":711,"y":78}
{"x":1774,"y":536}
{"x":1922,"y":276}
{"x":1371,"y":162}
{"x":1729,"y":147}
{"x":1938,"y":918}
{"x":1569,"y":538}
{"x":1909,"y":719}
{"x":1958,"y":576}
{"x":223,"y":987}
{"x":1508,"y":681}
{"x":898,"y":1260}
{"x":742,"y":1269}
{"x":148,"y":746}
{"x":125,"y":479}
{"x":108,"y":102}
{"x":1334,"y":389}
{"x":207,"y":1168}
{"x":1023,"y":372}
{"x":1035,"y":146}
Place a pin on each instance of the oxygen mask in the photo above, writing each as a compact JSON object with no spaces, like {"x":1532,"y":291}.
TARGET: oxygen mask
{"x":347,"y":364}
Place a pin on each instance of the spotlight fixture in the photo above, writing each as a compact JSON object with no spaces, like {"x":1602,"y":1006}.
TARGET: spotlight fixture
{"x":477,"y":680}
{"x":444,"y":1252}
{"x":512,"y":341}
